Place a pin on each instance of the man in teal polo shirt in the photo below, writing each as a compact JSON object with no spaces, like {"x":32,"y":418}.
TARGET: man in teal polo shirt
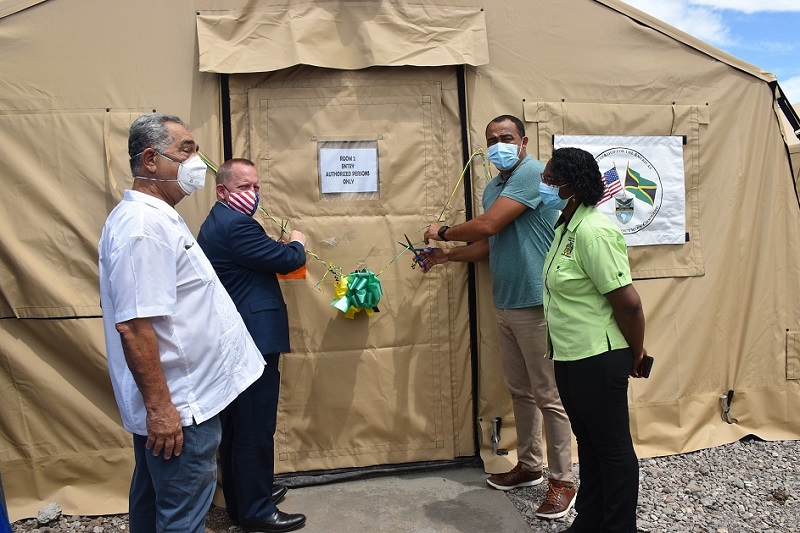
{"x":514,"y":233}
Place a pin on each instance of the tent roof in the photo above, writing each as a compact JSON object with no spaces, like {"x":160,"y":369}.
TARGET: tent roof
{"x":9,"y":7}
{"x":693,"y":42}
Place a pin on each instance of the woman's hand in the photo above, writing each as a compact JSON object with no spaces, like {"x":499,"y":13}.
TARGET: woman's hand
{"x":637,"y":360}
{"x":627,"y":307}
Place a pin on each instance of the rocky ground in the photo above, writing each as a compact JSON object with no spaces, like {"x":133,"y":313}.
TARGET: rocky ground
{"x":747,"y":486}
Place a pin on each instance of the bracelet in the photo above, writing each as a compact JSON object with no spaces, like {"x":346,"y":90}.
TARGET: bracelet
{"x":441,"y":232}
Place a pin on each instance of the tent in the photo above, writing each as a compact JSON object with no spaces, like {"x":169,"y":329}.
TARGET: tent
{"x":416,"y":83}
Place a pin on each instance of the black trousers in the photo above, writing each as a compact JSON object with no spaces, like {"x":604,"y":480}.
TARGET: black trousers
{"x":594,"y":392}
{"x":247,"y":450}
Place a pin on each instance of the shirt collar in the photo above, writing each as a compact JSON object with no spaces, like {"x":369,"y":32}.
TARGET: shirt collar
{"x":577,"y":217}
{"x":152,"y":201}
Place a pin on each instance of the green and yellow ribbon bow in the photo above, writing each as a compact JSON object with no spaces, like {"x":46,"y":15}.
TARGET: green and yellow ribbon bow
{"x":358,"y":291}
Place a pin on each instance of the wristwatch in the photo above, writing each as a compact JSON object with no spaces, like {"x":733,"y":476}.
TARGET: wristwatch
{"x":441,"y":233}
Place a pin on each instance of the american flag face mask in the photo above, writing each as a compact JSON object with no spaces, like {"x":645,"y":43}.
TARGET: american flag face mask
{"x":246,"y":202}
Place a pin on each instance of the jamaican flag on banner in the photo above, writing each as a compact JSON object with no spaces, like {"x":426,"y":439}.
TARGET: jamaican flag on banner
{"x":641,"y":188}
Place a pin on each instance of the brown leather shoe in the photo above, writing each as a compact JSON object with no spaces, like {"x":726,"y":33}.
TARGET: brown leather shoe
{"x":558,"y":501}
{"x":516,"y":477}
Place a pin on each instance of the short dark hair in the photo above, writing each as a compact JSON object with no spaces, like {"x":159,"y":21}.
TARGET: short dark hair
{"x":578,"y":169}
{"x":149,"y":131}
{"x":225,"y":170}
{"x":517,"y":122}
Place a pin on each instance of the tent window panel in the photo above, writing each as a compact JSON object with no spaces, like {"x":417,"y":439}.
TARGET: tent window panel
{"x":57,"y":164}
{"x":547,"y":119}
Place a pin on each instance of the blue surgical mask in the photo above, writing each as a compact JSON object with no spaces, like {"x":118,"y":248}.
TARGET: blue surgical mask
{"x":504,"y":156}
{"x":550,"y":197}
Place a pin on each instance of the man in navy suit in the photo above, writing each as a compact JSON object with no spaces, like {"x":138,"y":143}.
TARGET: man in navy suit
{"x":247,"y":260}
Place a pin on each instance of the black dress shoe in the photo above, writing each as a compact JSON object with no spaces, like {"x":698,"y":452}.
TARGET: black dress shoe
{"x":278,"y":521}
{"x":279,"y":493}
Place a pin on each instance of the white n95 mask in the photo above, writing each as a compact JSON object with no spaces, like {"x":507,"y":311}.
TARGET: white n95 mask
{"x":192,"y":174}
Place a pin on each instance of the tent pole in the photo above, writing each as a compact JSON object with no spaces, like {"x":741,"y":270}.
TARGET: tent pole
{"x":471,"y":283}
{"x":225,"y":111}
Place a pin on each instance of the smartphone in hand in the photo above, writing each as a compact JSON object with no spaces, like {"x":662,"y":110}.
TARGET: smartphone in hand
{"x":645,"y":366}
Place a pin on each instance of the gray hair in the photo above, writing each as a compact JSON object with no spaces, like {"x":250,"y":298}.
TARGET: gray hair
{"x":149,"y":131}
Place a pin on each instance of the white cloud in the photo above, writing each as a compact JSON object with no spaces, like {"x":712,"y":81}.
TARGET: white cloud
{"x":774,"y":47}
{"x":750,"y":6}
{"x":791,"y":88}
{"x":702,"y":22}
{"x":705,"y":20}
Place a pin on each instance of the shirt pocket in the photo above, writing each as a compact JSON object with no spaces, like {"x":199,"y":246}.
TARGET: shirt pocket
{"x":565,"y":273}
{"x":200,"y":263}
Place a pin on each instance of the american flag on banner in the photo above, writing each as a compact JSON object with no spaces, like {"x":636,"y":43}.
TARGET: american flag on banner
{"x":612,"y":184}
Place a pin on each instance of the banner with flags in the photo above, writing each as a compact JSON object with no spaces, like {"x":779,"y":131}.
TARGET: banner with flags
{"x":643,"y":179}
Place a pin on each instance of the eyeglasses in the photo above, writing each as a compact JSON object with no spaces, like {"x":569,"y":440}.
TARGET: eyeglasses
{"x":170,"y":159}
{"x":162,"y":155}
{"x":548,"y":179}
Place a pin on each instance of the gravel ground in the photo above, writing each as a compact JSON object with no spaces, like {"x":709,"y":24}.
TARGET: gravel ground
{"x":747,"y":486}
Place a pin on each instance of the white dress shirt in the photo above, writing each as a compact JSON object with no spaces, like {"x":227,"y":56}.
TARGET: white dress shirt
{"x":151,"y":266}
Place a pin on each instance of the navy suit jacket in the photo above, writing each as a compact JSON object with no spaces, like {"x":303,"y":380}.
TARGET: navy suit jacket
{"x":246,"y":260}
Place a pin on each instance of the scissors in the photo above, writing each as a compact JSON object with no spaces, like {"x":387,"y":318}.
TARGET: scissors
{"x":283,"y":228}
{"x":418,"y":260}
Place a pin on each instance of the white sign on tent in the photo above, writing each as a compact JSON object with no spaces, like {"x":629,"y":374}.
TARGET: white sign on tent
{"x":644,"y":180}
{"x":348,"y":167}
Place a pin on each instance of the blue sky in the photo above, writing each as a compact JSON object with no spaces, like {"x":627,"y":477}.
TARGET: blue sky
{"x":765,"y":33}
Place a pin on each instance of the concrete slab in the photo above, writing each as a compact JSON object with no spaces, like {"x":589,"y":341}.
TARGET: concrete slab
{"x":452,"y":500}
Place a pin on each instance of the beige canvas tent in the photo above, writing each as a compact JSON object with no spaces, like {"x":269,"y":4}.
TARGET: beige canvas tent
{"x":272,"y":80}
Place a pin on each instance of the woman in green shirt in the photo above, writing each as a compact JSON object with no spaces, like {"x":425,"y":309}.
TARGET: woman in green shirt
{"x":595,"y":336}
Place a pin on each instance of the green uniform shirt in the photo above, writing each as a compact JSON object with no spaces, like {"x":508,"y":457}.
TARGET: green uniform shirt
{"x":588,"y":259}
{"x":516,"y":254}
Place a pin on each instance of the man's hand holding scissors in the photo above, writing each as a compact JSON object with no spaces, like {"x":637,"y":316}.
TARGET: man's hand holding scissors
{"x":430,"y":257}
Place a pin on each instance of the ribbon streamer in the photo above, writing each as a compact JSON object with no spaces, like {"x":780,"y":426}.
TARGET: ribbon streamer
{"x":358,"y":291}
{"x":329,"y":267}
{"x":473,"y":155}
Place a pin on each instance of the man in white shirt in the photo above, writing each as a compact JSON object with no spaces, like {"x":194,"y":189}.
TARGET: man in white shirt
{"x":178,"y":351}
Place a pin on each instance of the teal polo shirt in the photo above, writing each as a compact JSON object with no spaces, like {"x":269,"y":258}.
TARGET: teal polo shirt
{"x":516,"y":253}
{"x":588,"y":259}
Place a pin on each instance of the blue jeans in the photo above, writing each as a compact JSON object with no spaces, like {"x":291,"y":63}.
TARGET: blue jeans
{"x":174,"y":495}
{"x":5,"y":526}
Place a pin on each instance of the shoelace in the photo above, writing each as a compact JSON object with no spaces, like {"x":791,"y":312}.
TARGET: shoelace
{"x":553,"y":495}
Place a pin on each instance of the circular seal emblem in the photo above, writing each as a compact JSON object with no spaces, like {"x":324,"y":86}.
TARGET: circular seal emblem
{"x":633,"y":188}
